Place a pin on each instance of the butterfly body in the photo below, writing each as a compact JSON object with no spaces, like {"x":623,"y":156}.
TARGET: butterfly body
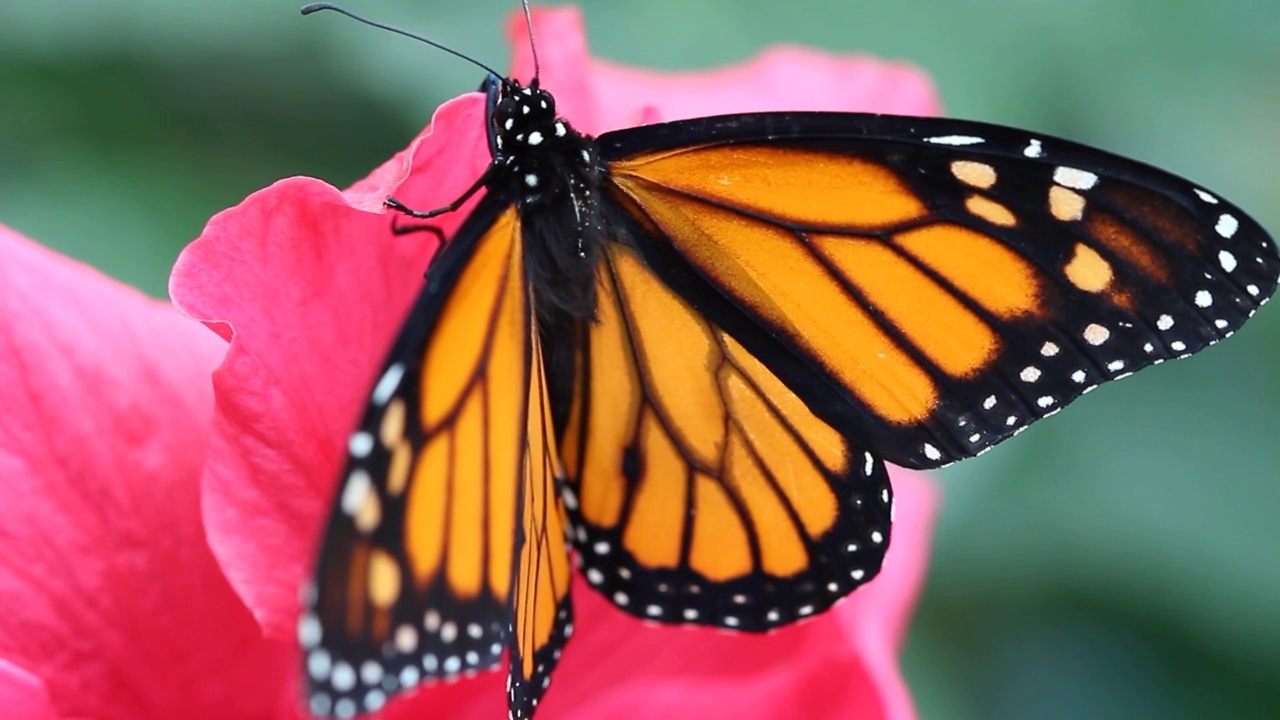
{"x":688,"y":349}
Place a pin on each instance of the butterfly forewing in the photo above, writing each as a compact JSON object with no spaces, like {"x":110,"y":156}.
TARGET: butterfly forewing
{"x":543,"y":615}
{"x":929,"y":286}
{"x":415,"y":576}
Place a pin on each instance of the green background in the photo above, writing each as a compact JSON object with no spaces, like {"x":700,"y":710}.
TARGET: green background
{"x":1118,"y":561}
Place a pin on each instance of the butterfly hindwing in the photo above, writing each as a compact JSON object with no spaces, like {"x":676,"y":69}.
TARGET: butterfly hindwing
{"x":415,"y":579}
{"x":701,"y":489}
{"x":932,"y":286}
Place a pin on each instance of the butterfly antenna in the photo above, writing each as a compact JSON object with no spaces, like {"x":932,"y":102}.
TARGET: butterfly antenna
{"x":317,"y":7}
{"x":533,"y":46}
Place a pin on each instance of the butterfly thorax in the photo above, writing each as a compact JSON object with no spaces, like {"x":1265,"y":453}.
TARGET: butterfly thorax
{"x":552,"y":174}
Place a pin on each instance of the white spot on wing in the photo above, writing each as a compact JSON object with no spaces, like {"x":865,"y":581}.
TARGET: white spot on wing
{"x":1074,"y":178}
{"x":931,"y":452}
{"x":1227,"y":225}
{"x":360,"y":444}
{"x":1206,"y":196}
{"x":1096,"y":334}
{"x":1033,"y":149}
{"x":358,"y":487}
{"x":1227,"y":260}
{"x":387,"y":384}
{"x":1203,"y":298}
{"x":954,"y":140}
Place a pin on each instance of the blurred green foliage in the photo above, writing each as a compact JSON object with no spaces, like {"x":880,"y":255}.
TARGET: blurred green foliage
{"x":1119,"y":561}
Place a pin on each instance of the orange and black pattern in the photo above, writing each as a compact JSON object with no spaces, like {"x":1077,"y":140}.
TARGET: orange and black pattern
{"x":683,"y":353}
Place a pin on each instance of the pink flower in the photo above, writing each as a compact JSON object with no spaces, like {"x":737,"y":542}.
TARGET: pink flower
{"x":113,"y":605}
{"x":309,"y":286}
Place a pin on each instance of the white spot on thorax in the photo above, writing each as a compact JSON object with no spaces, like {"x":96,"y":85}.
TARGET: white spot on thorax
{"x":535,"y":138}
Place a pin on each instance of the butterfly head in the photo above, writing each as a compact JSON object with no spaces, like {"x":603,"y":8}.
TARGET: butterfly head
{"x":530,"y":143}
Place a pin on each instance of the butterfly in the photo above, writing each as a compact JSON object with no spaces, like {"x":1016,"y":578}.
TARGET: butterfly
{"x":681,"y":354}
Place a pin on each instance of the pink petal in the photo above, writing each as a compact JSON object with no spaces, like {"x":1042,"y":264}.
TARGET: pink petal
{"x":111,"y":597}
{"x":310,"y":286}
{"x":23,"y":696}
{"x":596,"y":95}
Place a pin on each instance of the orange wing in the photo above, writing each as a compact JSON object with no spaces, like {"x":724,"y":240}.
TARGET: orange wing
{"x":701,"y":488}
{"x":543,"y":614}
{"x":790,"y":298}
{"x":422,"y":560}
{"x":933,"y":294}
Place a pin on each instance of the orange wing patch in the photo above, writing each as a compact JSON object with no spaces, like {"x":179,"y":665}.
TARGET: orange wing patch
{"x":426,"y":515}
{"x":696,"y":475}
{"x":543,"y":615}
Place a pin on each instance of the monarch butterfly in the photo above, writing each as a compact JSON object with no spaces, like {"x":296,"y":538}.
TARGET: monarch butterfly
{"x":690,"y":348}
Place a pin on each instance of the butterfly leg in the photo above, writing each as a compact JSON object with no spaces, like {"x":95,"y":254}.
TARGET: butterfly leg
{"x":480,"y":183}
{"x":398,"y":229}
